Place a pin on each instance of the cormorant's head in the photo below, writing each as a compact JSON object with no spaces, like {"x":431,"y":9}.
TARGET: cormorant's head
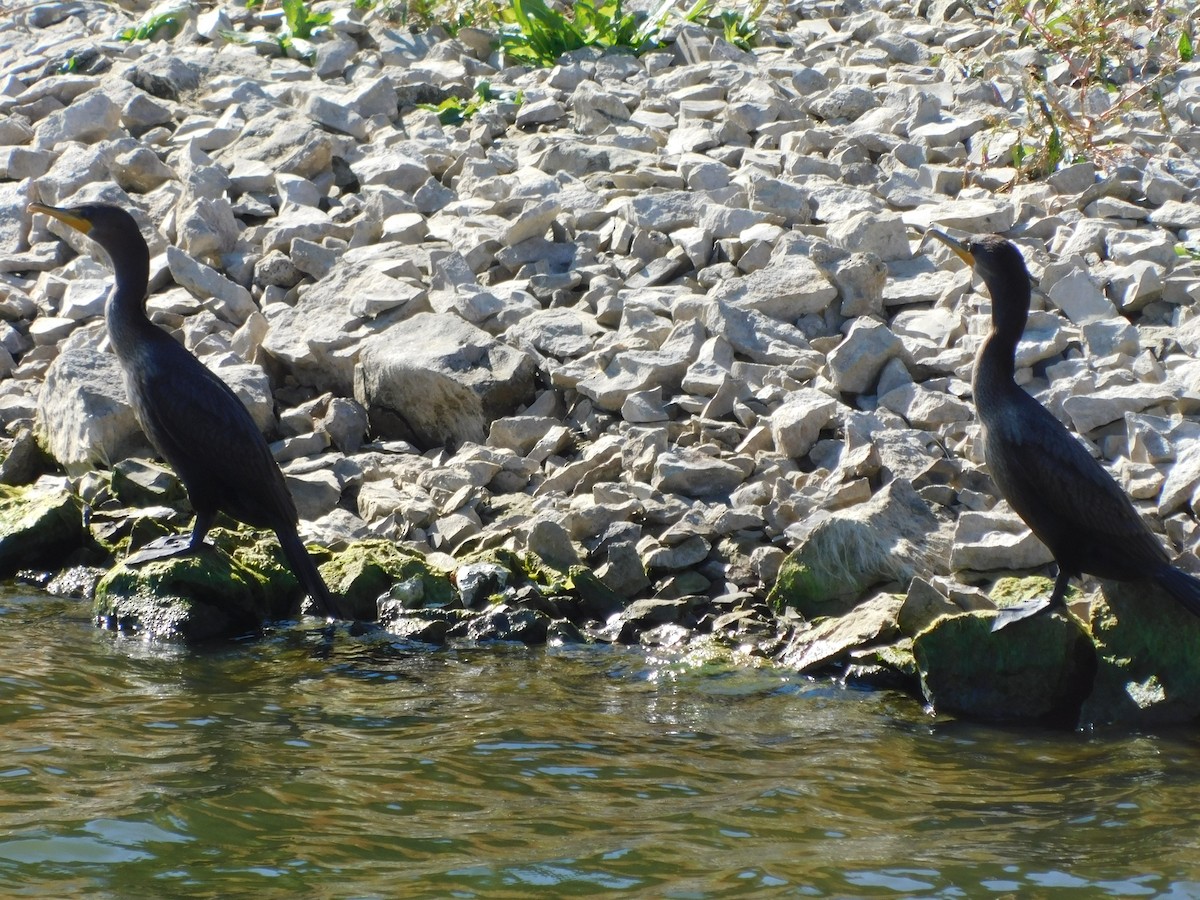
{"x":112,"y":228}
{"x":993,"y":257}
{"x":102,"y":222}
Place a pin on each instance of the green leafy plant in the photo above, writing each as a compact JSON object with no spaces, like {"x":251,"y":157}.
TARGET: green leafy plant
{"x":301,"y":21}
{"x":1123,"y":48}
{"x":455,"y":110}
{"x":532,"y":32}
{"x":739,"y":26}
{"x":166,"y":24}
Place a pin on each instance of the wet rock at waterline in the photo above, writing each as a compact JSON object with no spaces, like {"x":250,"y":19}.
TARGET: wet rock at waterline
{"x":1035,"y":670}
{"x":227,"y":588}
{"x":40,"y":524}
{"x":1148,"y":666}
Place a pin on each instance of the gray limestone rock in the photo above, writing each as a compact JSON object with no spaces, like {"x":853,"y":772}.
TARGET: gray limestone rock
{"x":83,"y":416}
{"x":439,"y":381}
{"x":855,"y":363}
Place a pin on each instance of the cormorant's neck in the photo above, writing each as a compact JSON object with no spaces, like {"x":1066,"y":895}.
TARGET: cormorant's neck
{"x":1010,"y":311}
{"x":125,"y":311}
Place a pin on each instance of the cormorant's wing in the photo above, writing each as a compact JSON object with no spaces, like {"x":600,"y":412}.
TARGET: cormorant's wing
{"x":1069,"y":500}
{"x":207,"y":435}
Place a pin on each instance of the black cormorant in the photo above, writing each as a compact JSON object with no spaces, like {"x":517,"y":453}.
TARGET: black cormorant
{"x":1069,"y":501}
{"x":189,"y":414}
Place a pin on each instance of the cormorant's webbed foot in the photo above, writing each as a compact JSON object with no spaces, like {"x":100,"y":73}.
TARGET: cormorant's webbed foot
{"x":162,"y":548}
{"x":1030,"y":608}
{"x":1019,"y":611}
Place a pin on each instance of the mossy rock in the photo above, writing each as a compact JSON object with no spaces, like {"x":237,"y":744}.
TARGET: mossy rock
{"x":1038,"y":669}
{"x":888,"y":667}
{"x":1148,"y":649}
{"x":1011,"y":590}
{"x":593,"y":598}
{"x":366,"y":570}
{"x":813,"y":590}
{"x":890,"y":539}
{"x":40,"y":524}
{"x":194,"y":598}
{"x":240,"y":580}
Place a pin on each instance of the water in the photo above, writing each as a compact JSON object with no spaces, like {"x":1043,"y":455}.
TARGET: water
{"x":299,"y":765}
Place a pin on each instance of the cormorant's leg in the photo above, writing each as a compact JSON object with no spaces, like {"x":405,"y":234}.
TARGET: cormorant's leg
{"x":1019,"y":611}
{"x":204,"y":521}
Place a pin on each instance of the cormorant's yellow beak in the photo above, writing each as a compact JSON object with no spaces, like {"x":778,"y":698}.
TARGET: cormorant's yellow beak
{"x":957,"y":246}
{"x":79,"y":223}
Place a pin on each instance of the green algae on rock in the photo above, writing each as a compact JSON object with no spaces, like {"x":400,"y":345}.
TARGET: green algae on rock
{"x":40,"y":524}
{"x":1148,"y":653}
{"x":195,"y":597}
{"x":892,"y":538}
{"x":364,"y":572}
{"x":1036,"y":670}
{"x":235,"y":584}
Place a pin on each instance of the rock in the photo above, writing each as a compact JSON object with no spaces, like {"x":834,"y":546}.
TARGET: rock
{"x":222,"y":591}
{"x":831,"y":640}
{"x":640,"y":370}
{"x":165,"y":75}
{"x":24,"y":460}
{"x":1147,"y":673}
{"x":846,"y":101}
{"x":527,"y":626}
{"x":790,"y":287}
{"x":439,"y":381}
{"x":696,"y":474}
{"x":855,"y":363}
{"x":283,"y":139}
{"x":40,"y":524}
{"x":797,"y":422}
{"x":1035,"y":670}
{"x":90,"y":118}
{"x":230,"y":300}
{"x":365,"y":572}
{"x":1080,"y":299}
{"x":924,"y":408}
{"x":1098,"y":408}
{"x":997,"y":539}
{"x":84,"y":418}
{"x":310,"y":340}
{"x":891,"y":538}
{"x":881,"y":234}
{"x":136,"y":482}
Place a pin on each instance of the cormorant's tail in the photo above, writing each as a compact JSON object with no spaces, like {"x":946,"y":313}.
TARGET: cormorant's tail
{"x":1183,"y":587}
{"x":306,"y":570}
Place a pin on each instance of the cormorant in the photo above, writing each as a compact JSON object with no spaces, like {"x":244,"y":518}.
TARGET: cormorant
{"x":1069,"y":501}
{"x":190,"y":415}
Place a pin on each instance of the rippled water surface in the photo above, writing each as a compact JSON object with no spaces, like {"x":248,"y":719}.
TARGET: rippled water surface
{"x":304,"y":764}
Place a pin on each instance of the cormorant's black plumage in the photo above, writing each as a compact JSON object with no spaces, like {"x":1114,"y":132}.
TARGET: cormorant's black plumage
{"x":189,"y":414}
{"x":1067,"y":499}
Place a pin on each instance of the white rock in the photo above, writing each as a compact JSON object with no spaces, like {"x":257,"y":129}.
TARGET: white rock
{"x":231,"y":301}
{"x":1078,"y":297}
{"x":883,"y":234}
{"x":797,"y":422}
{"x":1097,"y":408}
{"x":997,"y":539}
{"x":923,"y":408}
{"x":855,"y":363}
